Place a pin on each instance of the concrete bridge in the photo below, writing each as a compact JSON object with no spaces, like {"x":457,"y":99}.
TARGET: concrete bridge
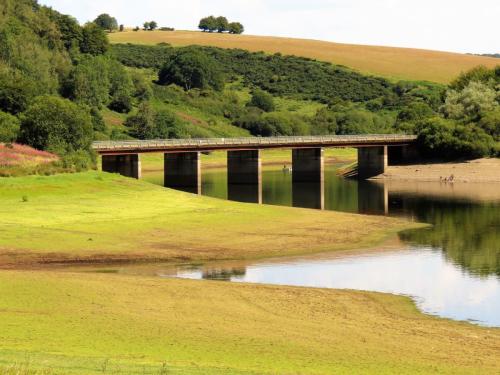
{"x":182,"y":166}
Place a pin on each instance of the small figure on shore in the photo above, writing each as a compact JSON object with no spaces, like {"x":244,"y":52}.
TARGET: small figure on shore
{"x":286,"y":169}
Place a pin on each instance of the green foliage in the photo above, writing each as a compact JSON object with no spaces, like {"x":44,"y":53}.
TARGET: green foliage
{"x":262,"y":100}
{"x":478,"y":74}
{"x":150,"y":26}
{"x":56,"y":125}
{"x":106,"y":22}
{"x":471,"y":102}
{"x":222,"y":24}
{"x":445,"y":138}
{"x":148,"y":123}
{"x":208,"y":24}
{"x":189,"y":68}
{"x":94,"y":40}
{"x":9,"y":127}
{"x":236,"y":28}
{"x":490,"y":123}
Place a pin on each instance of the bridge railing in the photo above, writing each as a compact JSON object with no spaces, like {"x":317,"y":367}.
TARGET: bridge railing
{"x":253,"y":141}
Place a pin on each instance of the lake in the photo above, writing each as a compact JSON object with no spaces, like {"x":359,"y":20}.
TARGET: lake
{"x":451,"y":269}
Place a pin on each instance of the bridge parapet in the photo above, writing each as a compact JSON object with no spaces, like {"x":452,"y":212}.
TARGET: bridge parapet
{"x":212,"y":144}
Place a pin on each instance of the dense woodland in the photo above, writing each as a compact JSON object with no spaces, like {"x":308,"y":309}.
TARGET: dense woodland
{"x":62,"y":85}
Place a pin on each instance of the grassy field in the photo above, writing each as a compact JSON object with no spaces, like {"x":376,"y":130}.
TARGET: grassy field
{"x":103,"y":323}
{"x":89,"y":216}
{"x":394,"y":63}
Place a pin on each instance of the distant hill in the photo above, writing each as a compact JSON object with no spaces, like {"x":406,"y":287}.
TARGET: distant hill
{"x":394,"y":63}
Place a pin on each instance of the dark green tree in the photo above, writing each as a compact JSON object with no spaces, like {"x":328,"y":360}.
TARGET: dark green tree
{"x":236,"y":28}
{"x":262,"y":100}
{"x":190,"y":68}
{"x":153,"y":25}
{"x":122,"y":28}
{"x":208,"y":24}
{"x":222,"y":24}
{"x":9,"y":127}
{"x":94,"y":40}
{"x":57,"y":125}
{"x":106,"y":22}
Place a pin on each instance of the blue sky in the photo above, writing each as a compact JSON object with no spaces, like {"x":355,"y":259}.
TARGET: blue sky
{"x":449,"y":25}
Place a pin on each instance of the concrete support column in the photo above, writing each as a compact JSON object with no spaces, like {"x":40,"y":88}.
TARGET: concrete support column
{"x":308,"y":187}
{"x":126,"y":165}
{"x":244,"y":176}
{"x":307,"y":165}
{"x":183,"y":171}
{"x":372,"y":161}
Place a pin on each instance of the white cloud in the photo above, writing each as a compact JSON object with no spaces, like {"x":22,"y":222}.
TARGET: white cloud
{"x":454,"y":25}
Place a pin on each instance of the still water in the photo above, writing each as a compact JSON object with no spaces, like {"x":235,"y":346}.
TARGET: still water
{"x":451,"y":270}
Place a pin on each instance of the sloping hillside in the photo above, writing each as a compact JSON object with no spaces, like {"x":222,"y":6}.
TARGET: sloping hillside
{"x":398,"y":63}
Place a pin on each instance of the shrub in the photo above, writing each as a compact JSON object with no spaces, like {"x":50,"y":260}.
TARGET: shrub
{"x":262,"y":100}
{"x":9,"y":127}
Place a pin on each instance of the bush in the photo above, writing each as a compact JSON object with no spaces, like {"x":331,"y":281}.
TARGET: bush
{"x":262,"y":100}
{"x":190,"y":68}
{"x":56,"y":125}
{"x":9,"y":127}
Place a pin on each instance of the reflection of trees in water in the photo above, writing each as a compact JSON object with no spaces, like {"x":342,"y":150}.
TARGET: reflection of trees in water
{"x":468,"y":233}
{"x":225,"y":274}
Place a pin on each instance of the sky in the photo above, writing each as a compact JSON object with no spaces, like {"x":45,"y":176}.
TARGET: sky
{"x":469,"y":26}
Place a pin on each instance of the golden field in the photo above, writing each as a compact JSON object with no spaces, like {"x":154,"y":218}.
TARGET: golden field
{"x":390,"y":62}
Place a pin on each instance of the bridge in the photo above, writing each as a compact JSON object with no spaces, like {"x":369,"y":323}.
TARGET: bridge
{"x":182,"y":165}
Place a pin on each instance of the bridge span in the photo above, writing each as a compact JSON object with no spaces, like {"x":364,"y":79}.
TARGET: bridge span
{"x":182,"y":165}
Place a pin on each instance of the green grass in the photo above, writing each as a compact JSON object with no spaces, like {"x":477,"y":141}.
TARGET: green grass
{"x":102,"y":323}
{"x":97,"y":215}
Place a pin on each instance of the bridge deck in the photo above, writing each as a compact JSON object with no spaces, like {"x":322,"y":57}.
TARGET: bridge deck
{"x":213,"y":144}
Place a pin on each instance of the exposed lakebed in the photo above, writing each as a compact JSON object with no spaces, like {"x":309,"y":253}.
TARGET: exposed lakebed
{"x":451,"y":270}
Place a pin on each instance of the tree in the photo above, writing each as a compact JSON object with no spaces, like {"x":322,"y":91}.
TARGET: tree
{"x":94,"y":40}
{"x":106,"y":22}
{"x":468,"y":104}
{"x":236,"y":28}
{"x":56,"y":125}
{"x":208,"y":24}
{"x":89,"y":82}
{"x":262,"y":100}
{"x":222,"y":24}
{"x":71,"y":31}
{"x":9,"y":127}
{"x":150,"y":124}
{"x":146,"y":26}
{"x":122,"y":28}
{"x":153,"y":25}
{"x":190,"y":68}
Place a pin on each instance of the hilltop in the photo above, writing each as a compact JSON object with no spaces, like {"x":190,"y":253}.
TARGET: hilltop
{"x":390,"y":62}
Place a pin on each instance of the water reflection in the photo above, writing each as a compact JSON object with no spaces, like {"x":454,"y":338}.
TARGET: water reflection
{"x":437,"y":286}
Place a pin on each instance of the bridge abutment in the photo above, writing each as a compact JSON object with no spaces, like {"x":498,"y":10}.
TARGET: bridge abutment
{"x":182,"y":171}
{"x":372,"y":161}
{"x":244,"y":176}
{"x":126,"y":165}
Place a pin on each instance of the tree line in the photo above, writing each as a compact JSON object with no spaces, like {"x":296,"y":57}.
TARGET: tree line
{"x":221,"y":25}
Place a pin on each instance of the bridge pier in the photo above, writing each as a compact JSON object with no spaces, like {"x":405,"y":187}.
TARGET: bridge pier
{"x":244,"y":176}
{"x":183,"y":171}
{"x":372,"y":161}
{"x":126,"y":165}
{"x":307,"y":165}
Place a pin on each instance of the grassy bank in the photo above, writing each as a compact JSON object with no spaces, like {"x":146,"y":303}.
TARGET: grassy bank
{"x":391,"y":62}
{"x":95,"y":215}
{"x":102,"y":323}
